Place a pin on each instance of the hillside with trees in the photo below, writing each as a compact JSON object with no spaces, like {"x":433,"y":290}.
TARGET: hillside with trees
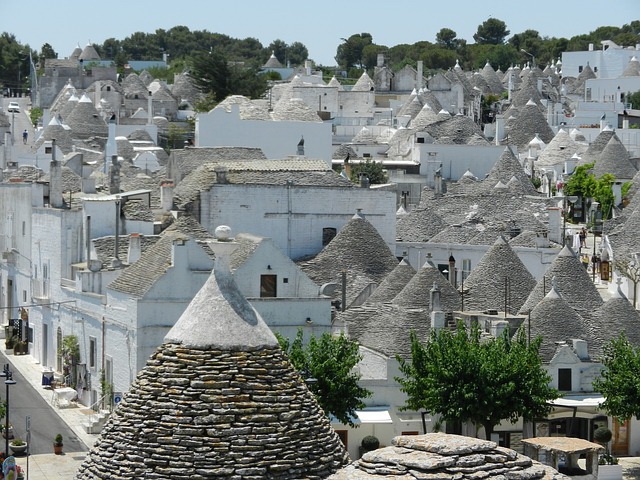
{"x":493,"y":41}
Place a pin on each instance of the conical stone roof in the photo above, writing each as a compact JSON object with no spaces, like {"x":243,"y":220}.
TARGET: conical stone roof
{"x":359,"y":249}
{"x":364,"y":84}
{"x":572,"y":282}
{"x":392,"y":283}
{"x":596,"y":147}
{"x":614,"y":159}
{"x":85,"y":121}
{"x":416,"y":294}
{"x":527,"y":124}
{"x":58,"y":131}
{"x":217,"y":400}
{"x":617,"y":315}
{"x":499,"y":271}
{"x":133,"y":85}
{"x":411,"y":108}
{"x":560,"y":149}
{"x":633,"y":68}
{"x":491,"y":77}
{"x":505,"y":169}
{"x":554,"y":320}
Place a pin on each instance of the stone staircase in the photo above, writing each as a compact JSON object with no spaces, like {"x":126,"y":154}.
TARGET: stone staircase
{"x":96,"y":421}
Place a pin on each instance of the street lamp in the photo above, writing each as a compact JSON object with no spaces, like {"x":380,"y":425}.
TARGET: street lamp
{"x":533,"y":58}
{"x":8,"y":375}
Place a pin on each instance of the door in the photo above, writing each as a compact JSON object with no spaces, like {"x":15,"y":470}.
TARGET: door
{"x":45,"y":345}
{"x":620,"y":440}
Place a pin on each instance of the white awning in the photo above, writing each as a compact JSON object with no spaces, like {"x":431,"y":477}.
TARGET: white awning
{"x":584,"y":401}
{"x":374,"y":415}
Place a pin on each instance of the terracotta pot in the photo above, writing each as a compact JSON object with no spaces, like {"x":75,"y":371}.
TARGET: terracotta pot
{"x":57,"y":449}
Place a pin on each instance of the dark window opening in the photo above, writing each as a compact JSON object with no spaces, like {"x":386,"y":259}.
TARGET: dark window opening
{"x":285,"y":280}
{"x":564,"y":379}
{"x":420,"y":140}
{"x":328,"y":234}
{"x":48,"y":150}
{"x":580,"y":69}
{"x":343,"y":435}
{"x":268,"y":286}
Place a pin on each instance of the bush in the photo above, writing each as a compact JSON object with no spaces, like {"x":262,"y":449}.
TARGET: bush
{"x":370,"y":443}
{"x":57,"y":441}
{"x":602,"y":435}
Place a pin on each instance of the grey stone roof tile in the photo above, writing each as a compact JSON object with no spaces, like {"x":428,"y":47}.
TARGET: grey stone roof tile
{"x":614,"y":159}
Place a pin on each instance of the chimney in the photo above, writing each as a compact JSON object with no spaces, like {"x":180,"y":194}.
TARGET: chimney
{"x":437,"y":177}
{"x":419,"y":75}
{"x":452,"y":271}
{"x":96,"y":97}
{"x":55,"y":182}
{"x":221,"y":174}
{"x":179,"y":253}
{"x":135,"y":248}
{"x":307,"y":67}
{"x":116,"y":263}
{"x":149,"y":109}
{"x":166,"y":195}
{"x":111,"y":147}
{"x":114,"y":176}
{"x":380,"y":60}
{"x":364,"y":181}
{"x":437,"y":315}
{"x":580,"y":347}
{"x":88,"y":240}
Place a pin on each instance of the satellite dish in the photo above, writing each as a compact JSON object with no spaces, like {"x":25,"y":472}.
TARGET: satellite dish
{"x":329,"y":289}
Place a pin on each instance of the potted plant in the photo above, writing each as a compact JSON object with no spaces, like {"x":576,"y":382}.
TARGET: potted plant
{"x":608,"y":467}
{"x":5,"y":433}
{"x":368,"y":444}
{"x":57,"y":444}
{"x":18,"y":446}
{"x":19,"y":473}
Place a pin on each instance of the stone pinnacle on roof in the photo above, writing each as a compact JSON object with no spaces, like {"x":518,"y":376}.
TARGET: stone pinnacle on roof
{"x":218,"y":382}
{"x":500,"y":274}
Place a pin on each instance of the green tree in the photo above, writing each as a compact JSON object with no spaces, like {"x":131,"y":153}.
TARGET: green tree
{"x":634,"y":99}
{"x":349,"y":52}
{"x":619,"y":382}
{"x":447,"y":38}
{"x":279,"y":49}
{"x":492,"y":31}
{"x":297,"y":53}
{"x":217,"y":77}
{"x":47,"y":51}
{"x":330,"y":361}
{"x":373,"y":170}
{"x":463,"y":377}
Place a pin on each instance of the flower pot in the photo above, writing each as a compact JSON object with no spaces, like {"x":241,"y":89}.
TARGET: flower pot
{"x":609,"y":472}
{"x":18,"y":449}
{"x":57,"y":449}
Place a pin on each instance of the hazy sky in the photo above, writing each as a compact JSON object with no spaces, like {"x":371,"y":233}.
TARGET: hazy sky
{"x":319,"y":25}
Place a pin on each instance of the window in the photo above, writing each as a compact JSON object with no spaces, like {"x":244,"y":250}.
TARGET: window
{"x":24,"y":296}
{"x":47,"y":150}
{"x":285,"y":280}
{"x":24,"y":228}
{"x":343,"y":435}
{"x":108,"y":88}
{"x":328,"y":234}
{"x":580,"y":69}
{"x":412,"y":432}
{"x":268,"y":286}
{"x":564,"y":379}
{"x":420,"y":139}
{"x":466,"y":267}
{"x":92,"y":352}
{"x":366,"y":155}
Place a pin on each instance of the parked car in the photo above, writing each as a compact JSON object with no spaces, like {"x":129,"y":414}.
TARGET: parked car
{"x":13,"y":107}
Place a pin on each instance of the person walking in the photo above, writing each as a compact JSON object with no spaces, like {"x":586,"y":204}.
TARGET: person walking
{"x":25,"y":136}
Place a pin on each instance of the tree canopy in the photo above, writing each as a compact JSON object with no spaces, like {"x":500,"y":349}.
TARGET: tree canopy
{"x":492,"y":31}
{"x":463,"y":377}
{"x":329,"y":361}
{"x":219,"y":78}
{"x":619,"y":383}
